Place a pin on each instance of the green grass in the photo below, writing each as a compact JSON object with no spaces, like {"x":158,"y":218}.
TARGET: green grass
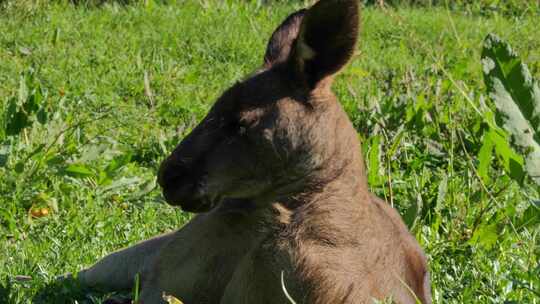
{"x":410,"y":92}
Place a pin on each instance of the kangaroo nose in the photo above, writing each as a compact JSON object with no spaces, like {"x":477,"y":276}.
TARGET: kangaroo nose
{"x":169,"y":171}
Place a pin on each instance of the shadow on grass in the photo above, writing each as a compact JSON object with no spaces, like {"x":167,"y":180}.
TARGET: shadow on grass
{"x":5,"y":292}
{"x":61,"y":291}
{"x":68,"y":290}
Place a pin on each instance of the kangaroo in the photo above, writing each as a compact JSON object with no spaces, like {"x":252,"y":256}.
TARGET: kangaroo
{"x":276,"y":175}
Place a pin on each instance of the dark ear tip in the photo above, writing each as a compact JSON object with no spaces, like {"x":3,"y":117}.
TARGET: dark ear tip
{"x":342,"y":17}
{"x":345,"y":13}
{"x":349,"y":9}
{"x":347,"y":4}
{"x":328,"y":37}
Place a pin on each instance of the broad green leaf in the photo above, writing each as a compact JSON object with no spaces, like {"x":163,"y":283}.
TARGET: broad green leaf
{"x":512,"y":162}
{"x":411,"y":214}
{"x":16,"y":120}
{"x":486,"y":235}
{"x":395,"y":145}
{"x":121,"y":183}
{"x":441,"y":193}
{"x":531,"y":216}
{"x":118,"y":162}
{"x":484,"y":158}
{"x":78,"y":170}
{"x":517,"y":99}
{"x":19,"y":110}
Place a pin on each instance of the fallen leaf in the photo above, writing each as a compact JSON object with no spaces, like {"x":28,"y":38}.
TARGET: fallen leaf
{"x":171,"y":299}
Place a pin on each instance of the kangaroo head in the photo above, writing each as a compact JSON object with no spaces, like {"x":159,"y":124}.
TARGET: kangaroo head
{"x":279,"y":131}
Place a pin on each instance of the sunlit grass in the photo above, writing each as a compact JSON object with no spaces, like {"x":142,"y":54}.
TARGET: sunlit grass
{"x":411,"y":92}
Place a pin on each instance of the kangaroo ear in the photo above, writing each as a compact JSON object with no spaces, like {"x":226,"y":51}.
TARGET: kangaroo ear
{"x":326,"y":39}
{"x":282,"y":40}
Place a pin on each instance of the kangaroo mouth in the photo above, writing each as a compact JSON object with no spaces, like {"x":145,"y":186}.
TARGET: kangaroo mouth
{"x":190,"y":197}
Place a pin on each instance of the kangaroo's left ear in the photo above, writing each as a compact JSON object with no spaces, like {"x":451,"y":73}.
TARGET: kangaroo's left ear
{"x":282,"y":40}
{"x":326,"y":40}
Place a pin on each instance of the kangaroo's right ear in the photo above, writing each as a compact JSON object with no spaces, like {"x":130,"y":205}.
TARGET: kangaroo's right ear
{"x":326,"y":40}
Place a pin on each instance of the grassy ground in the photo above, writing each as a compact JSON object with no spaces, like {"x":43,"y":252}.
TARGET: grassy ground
{"x":118,"y":86}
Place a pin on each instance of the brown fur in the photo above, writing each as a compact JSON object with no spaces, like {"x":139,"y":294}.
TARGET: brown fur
{"x":276,"y":172}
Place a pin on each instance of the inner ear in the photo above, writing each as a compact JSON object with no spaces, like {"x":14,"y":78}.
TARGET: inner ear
{"x":327,"y":39}
{"x":280,"y":44}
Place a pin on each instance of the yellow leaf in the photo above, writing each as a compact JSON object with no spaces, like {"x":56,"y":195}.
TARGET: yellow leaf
{"x":170,"y":299}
